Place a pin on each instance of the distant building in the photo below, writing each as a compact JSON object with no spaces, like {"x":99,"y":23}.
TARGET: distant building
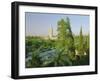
{"x":51,"y":34}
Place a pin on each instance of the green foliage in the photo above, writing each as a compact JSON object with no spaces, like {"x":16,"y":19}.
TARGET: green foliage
{"x":42,"y":52}
{"x":65,"y":38}
{"x":60,"y":59}
{"x":61,"y":41}
{"x":81,"y":43}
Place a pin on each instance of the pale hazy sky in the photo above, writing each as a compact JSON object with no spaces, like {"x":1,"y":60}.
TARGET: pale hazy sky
{"x":40,"y":23}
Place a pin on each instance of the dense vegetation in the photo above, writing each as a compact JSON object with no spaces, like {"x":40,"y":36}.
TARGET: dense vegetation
{"x":67,"y":50}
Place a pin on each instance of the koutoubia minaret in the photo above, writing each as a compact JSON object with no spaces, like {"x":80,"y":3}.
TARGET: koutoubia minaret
{"x":50,"y":32}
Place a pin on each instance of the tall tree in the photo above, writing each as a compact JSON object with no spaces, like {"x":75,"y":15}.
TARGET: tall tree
{"x":62,"y":26}
{"x":81,"y":42}
{"x":70,"y":39}
{"x":65,"y":37}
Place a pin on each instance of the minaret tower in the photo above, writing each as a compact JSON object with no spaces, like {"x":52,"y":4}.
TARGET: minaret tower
{"x":51,"y":33}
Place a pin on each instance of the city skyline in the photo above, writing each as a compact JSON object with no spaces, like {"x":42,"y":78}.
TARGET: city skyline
{"x":39,"y":24}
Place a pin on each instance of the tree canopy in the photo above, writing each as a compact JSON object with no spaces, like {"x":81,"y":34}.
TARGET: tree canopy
{"x":65,"y":37}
